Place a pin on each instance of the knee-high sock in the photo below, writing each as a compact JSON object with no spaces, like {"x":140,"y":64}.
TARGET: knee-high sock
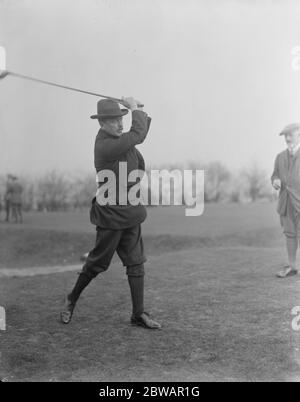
{"x":136,"y":284}
{"x":82,"y":282}
{"x":292,"y":246}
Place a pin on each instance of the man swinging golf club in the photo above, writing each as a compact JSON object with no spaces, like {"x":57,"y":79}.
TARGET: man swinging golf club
{"x":118,"y":226}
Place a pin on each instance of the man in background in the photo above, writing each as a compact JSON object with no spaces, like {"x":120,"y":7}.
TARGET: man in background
{"x":286,"y":178}
{"x":16,"y":200}
{"x":7,"y":196}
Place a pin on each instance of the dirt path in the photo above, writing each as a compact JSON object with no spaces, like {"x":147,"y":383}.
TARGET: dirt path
{"x":33,"y":271}
{"x":17,"y":272}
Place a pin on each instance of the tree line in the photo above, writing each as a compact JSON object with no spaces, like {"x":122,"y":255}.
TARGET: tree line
{"x":57,"y":191}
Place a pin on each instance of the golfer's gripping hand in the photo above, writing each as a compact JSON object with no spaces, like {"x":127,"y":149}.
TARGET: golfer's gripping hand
{"x":131,"y":103}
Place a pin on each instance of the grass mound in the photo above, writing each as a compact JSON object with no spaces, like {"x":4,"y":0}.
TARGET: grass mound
{"x":23,"y":247}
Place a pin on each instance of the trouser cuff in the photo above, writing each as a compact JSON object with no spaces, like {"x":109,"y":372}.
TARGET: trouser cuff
{"x":135,"y":270}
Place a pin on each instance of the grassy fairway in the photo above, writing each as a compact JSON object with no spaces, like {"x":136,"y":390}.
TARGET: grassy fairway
{"x":224,"y":314}
{"x":60,"y":238}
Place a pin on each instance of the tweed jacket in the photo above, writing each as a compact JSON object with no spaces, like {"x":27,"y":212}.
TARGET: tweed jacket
{"x":287,"y":169}
{"x":109,"y":152}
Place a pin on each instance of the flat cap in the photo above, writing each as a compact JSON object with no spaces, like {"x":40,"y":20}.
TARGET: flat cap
{"x":290,"y":128}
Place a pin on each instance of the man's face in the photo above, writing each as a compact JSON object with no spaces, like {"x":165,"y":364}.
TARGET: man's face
{"x":292,"y":138}
{"x":114,"y":126}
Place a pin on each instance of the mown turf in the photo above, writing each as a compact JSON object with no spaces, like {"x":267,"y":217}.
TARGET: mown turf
{"x":225,"y":317}
{"x":47,"y":239}
{"x":217,"y":219}
{"x":210,"y":282}
{"x":24,"y":248}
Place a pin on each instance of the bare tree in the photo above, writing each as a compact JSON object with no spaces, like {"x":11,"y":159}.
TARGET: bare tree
{"x":82,"y":191}
{"x":52,"y":192}
{"x":28,"y":193}
{"x":256,"y":182}
{"x":216,"y":178}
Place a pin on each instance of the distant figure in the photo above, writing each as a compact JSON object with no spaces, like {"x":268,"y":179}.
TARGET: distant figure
{"x":286,"y":178}
{"x":16,"y":200}
{"x":7,"y":196}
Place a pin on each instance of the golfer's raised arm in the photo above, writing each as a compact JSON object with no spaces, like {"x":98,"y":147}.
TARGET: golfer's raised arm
{"x":134,"y":105}
{"x":112,"y":148}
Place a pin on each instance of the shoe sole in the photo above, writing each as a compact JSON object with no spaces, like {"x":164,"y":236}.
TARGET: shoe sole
{"x":65,"y":321}
{"x":292,"y":273}
{"x":69,"y":312}
{"x":140,"y":324}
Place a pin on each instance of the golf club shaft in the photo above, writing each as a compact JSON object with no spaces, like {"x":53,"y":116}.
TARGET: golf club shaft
{"x":64,"y":86}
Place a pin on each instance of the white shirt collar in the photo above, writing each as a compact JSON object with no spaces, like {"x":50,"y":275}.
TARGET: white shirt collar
{"x":293,"y":150}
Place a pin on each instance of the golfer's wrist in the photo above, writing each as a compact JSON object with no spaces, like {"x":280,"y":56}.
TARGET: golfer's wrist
{"x":139,"y":110}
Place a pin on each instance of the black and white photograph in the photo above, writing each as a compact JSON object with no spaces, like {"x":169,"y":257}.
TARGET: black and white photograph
{"x":149,"y":194}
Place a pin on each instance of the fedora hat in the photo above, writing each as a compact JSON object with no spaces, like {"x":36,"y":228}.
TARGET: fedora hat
{"x":107,"y":108}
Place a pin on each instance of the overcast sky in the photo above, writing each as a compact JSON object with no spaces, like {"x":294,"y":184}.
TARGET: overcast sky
{"x":215,"y":76}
